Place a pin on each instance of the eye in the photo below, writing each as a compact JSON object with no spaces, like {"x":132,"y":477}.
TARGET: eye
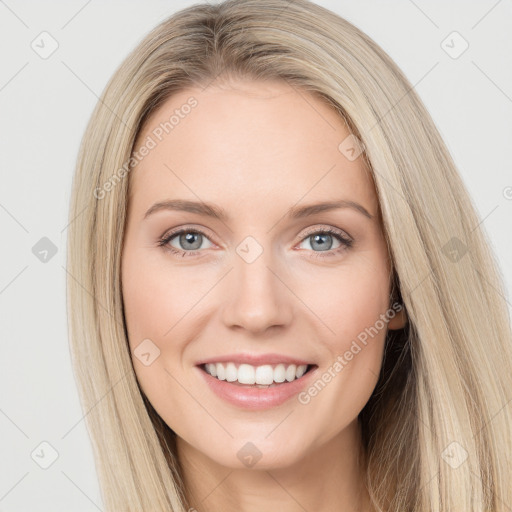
{"x":322,"y":239}
{"x":189,"y":241}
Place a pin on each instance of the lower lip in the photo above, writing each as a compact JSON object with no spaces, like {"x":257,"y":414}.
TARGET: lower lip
{"x":255,"y":398}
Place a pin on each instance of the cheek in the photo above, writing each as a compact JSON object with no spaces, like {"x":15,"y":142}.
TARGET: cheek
{"x":349,"y":299}
{"x":160,"y":305}
{"x":156,"y":296}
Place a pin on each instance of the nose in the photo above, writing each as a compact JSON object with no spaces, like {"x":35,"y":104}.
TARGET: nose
{"x":257,"y":297}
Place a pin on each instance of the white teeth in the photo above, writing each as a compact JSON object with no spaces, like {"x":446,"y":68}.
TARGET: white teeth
{"x":280,"y":373}
{"x":301,"y":370}
{"x":231,"y":373}
{"x":246,"y":374}
{"x":291,"y":372}
{"x":262,"y":375}
{"x":221,"y":372}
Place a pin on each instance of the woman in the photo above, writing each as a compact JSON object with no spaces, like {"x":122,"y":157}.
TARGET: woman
{"x":335,"y":337}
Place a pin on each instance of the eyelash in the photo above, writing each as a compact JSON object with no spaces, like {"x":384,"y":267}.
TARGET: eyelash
{"x":346,"y":243}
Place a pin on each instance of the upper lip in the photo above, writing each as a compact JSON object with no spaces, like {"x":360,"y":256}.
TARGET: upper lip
{"x":255,"y":359}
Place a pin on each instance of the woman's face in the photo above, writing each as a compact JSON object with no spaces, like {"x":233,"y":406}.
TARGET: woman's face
{"x":266,"y":282}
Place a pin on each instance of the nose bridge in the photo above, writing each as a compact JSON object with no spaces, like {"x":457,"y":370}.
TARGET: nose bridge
{"x":256,"y":298}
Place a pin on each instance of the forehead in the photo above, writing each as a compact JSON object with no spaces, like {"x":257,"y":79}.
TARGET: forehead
{"x":250,"y":140}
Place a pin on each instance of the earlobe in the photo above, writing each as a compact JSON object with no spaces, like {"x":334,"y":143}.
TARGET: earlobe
{"x":399,"y":320}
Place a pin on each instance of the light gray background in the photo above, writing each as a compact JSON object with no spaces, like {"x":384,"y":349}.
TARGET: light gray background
{"x":45,"y":104}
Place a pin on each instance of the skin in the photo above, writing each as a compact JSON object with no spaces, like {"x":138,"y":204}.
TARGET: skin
{"x":257,"y":149}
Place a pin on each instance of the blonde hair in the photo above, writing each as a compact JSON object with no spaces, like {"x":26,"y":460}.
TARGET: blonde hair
{"x":443,"y":391}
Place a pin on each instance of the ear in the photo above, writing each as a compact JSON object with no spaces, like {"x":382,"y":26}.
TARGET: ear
{"x":399,"y":320}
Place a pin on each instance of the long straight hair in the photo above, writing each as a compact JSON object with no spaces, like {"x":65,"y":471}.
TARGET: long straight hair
{"x":437,"y":431}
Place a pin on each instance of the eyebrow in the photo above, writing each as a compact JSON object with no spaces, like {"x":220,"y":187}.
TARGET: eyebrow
{"x":211,"y":210}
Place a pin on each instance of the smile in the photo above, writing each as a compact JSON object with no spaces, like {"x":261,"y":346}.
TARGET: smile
{"x":256,"y":387}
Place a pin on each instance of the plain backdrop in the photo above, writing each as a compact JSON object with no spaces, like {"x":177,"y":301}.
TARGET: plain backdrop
{"x":45,"y":103}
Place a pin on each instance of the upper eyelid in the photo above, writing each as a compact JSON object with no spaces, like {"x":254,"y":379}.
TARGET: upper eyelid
{"x":338,"y":231}
{"x":173,"y":232}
